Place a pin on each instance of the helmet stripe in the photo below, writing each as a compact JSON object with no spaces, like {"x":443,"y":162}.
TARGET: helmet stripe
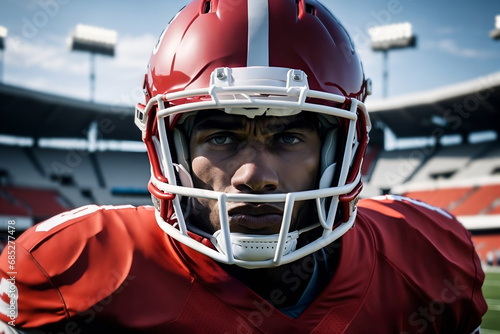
{"x":258,"y":33}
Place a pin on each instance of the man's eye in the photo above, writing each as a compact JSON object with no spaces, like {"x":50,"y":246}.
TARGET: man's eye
{"x":221,"y":140}
{"x":288,"y":139}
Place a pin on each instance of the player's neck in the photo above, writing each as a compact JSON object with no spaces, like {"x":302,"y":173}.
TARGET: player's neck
{"x":283,"y":286}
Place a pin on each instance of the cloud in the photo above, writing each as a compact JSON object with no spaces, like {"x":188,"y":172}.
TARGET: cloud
{"x":449,"y":46}
{"x":132,"y":52}
{"x":49,"y":65}
{"x":55,"y":58}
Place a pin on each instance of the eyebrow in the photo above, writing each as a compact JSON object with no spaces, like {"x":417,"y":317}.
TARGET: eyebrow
{"x":219,"y":122}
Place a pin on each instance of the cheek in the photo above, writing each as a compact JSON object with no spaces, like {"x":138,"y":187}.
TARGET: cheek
{"x":204,"y":173}
{"x":312,"y":166}
{"x":206,"y":176}
{"x":302,"y":173}
{"x":198,"y":166}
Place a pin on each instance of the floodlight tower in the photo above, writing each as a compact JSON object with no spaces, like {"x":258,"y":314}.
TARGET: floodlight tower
{"x":3,"y":36}
{"x":94,"y":40}
{"x":390,"y":37}
{"x":495,"y":33}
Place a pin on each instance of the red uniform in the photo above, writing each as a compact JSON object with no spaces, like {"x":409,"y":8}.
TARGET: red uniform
{"x":404,"y":268}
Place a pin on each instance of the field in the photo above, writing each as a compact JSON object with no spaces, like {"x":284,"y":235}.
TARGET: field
{"x":491,"y":291}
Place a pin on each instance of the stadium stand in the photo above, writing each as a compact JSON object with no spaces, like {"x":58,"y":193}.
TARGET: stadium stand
{"x":443,"y":198}
{"x":487,"y":164}
{"x":69,"y":167}
{"x":480,"y":201}
{"x":17,"y":168}
{"x":124,"y":171}
{"x":37,"y":182}
{"x":394,"y":168}
{"x":447,"y":161}
{"x":488,"y":246}
{"x":496,"y":209}
{"x":42,"y":203}
{"x":11,"y":205}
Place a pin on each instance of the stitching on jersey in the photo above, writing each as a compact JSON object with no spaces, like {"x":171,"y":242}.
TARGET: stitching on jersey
{"x":49,"y":280}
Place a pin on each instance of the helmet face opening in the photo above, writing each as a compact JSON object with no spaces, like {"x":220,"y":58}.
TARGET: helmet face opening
{"x":268,"y":88}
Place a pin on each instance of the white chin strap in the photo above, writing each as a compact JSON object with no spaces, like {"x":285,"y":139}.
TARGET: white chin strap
{"x":255,"y":247}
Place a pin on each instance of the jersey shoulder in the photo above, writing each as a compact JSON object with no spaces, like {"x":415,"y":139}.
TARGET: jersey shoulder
{"x":59,"y":241}
{"x":427,"y":246}
{"x":406,"y":229}
{"x":80,"y":253}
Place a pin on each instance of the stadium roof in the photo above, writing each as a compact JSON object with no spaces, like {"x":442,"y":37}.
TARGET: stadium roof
{"x":461,"y":108}
{"x":458,"y":109}
{"x":29,"y":113}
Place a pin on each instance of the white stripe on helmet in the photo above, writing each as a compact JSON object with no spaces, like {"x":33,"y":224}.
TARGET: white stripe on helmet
{"x":258,"y":33}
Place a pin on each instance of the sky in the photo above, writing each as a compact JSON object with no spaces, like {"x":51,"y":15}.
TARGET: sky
{"x":453,"y":44}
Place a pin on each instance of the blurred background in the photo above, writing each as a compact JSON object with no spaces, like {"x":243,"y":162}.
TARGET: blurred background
{"x":67,"y":136}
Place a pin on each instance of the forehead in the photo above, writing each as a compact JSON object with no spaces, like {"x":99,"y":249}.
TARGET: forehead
{"x":216,"y":119}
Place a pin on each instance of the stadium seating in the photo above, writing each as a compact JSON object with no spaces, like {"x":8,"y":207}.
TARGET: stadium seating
{"x":478,"y":202}
{"x":18,"y":168}
{"x":463,"y":179}
{"x":446,"y":198}
{"x":12,"y":207}
{"x":122,"y":170}
{"x":486,"y":243}
{"x":40,"y":203}
{"x":484,"y":165}
{"x":496,"y":209}
{"x":392,"y":168}
{"x":447,"y":161}
{"x":67,"y":166}
{"x":41,"y":182}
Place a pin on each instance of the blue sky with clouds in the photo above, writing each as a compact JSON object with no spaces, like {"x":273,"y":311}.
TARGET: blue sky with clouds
{"x":453,"y":43}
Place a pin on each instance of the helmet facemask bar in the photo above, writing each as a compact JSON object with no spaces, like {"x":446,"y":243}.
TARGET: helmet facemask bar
{"x":328,"y":220}
{"x":284,"y":92}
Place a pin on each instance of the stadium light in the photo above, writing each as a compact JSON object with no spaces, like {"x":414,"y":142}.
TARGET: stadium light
{"x":3,"y":36}
{"x":390,"y":37}
{"x":495,"y":33}
{"x":94,"y":40}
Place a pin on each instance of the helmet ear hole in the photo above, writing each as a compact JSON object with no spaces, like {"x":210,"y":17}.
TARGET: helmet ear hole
{"x":207,"y":7}
{"x":310,"y":9}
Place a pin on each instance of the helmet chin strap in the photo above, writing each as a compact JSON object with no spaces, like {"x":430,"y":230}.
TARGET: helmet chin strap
{"x":255,"y":247}
{"x":258,"y":247}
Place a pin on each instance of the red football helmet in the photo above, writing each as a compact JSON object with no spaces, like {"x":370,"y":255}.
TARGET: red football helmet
{"x":255,"y":57}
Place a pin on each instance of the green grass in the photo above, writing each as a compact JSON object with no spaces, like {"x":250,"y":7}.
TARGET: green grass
{"x":491,"y":292}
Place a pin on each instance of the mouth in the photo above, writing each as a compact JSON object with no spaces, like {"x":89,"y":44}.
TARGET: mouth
{"x":256,"y":219}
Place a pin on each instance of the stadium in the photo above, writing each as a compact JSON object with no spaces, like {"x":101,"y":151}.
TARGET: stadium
{"x":447,"y":155}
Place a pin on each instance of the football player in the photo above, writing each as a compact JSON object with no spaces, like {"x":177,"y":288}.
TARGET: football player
{"x":256,"y":128}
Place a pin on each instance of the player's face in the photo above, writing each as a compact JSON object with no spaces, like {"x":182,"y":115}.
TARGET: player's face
{"x":264,"y":155}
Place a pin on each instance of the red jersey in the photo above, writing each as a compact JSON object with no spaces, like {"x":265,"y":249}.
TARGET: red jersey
{"x":403,"y":268}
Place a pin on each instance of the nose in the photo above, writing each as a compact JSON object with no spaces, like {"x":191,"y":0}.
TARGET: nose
{"x":255,"y":172}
